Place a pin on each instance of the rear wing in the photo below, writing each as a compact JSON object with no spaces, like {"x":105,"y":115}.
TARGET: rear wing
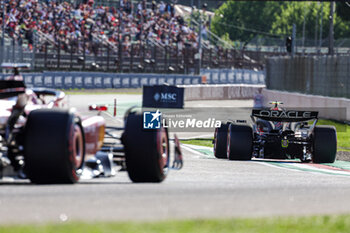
{"x":284,"y":115}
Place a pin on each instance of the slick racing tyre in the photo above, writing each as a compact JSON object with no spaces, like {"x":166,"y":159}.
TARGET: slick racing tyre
{"x":220,"y":141}
{"x":325,"y":144}
{"x":54,"y":147}
{"x":146,"y":151}
{"x":239,"y":142}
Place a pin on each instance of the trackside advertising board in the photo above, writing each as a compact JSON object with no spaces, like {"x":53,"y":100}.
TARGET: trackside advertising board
{"x":163,"y":96}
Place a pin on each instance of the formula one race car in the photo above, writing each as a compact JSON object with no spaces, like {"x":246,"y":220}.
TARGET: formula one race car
{"x":277,"y":134}
{"x":45,"y":142}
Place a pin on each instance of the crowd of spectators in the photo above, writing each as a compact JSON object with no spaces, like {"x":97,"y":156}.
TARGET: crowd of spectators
{"x":84,"y":26}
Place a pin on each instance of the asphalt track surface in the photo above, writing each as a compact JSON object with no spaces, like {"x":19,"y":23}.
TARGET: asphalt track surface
{"x":204,"y":188}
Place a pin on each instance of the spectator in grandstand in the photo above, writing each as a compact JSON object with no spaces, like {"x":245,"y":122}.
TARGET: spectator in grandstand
{"x":67,"y":25}
{"x":162,"y":7}
{"x":154,"y":6}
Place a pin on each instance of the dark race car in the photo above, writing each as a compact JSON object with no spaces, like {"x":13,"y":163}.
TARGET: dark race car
{"x":277,"y":134}
{"x":44,"y":141}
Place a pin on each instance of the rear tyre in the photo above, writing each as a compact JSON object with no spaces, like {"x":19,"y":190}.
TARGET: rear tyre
{"x":325,"y":144}
{"x":146,"y":151}
{"x":220,"y":141}
{"x":239,"y":142}
{"x":54,"y":147}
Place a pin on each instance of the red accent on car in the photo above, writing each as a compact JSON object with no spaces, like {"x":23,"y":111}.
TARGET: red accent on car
{"x":94,"y":130}
{"x":95,"y":107}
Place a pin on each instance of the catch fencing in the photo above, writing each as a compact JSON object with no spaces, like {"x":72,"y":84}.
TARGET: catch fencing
{"x":137,"y":58}
{"x":325,"y":76}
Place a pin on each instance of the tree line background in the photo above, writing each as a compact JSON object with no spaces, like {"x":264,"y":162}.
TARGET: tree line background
{"x":244,"y":20}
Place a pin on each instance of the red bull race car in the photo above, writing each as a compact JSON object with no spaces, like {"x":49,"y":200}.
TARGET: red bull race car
{"x":45,"y":142}
{"x":277,"y":134}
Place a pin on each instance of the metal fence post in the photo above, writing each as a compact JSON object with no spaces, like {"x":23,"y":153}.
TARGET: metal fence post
{"x":186,"y":53}
{"x":84,"y":53}
{"x":250,"y":77}
{"x":108,"y":57}
{"x":226,"y":58}
{"x":131,"y":57}
{"x":21,"y":52}
{"x":293,"y":40}
{"x":71,"y":57}
{"x":232,"y":57}
{"x":58,"y":54}
{"x":34,"y":50}
{"x":227,"y":76}
{"x":154,"y":58}
{"x":142,"y":58}
{"x":120,"y":41}
{"x":210,"y":57}
{"x":13,"y":50}
{"x":166,"y":58}
{"x":177,"y":57}
{"x":234,"y":76}
{"x":2,"y":53}
{"x":45,"y":56}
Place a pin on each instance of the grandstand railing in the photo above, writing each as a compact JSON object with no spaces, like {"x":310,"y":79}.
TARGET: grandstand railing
{"x":306,"y":46}
{"x":145,"y":57}
{"x":136,"y":57}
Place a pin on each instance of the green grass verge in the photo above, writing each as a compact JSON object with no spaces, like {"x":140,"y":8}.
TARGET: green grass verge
{"x":343,"y":135}
{"x":199,"y":142}
{"x":313,"y":224}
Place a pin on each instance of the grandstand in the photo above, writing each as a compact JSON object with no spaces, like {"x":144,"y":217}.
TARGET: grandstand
{"x":117,"y":36}
{"x":123,"y":36}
